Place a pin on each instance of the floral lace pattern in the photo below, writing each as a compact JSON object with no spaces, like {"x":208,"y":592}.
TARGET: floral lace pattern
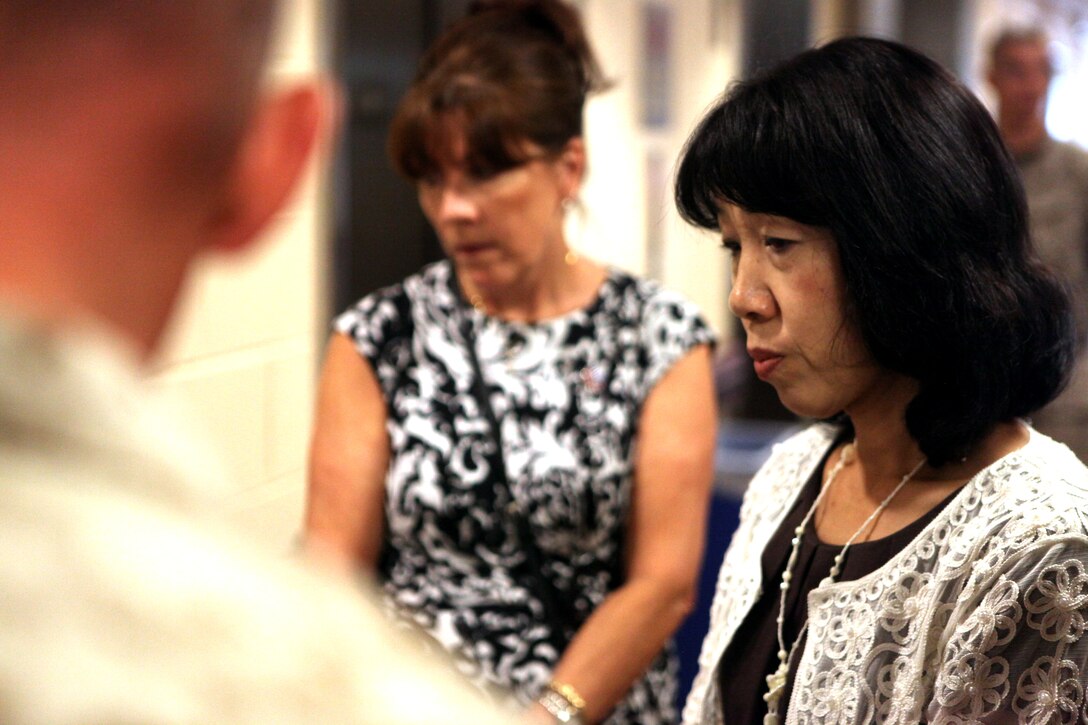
{"x":983,"y":618}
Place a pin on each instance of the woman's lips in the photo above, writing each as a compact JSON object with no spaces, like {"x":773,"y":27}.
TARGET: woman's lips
{"x":764,"y":362}
{"x":472,"y":250}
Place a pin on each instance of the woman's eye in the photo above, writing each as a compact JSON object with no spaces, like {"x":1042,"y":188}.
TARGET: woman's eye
{"x":731,"y":245}
{"x":777,"y":244}
{"x":482,"y":175}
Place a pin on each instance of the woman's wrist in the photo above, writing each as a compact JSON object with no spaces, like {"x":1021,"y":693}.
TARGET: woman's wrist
{"x":563,"y":703}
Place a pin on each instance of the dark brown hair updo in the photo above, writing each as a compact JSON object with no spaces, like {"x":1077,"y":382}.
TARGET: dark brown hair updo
{"x":511,"y":73}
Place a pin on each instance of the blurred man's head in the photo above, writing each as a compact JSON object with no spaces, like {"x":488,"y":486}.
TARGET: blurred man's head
{"x":1020,"y":73}
{"x":134,"y":136}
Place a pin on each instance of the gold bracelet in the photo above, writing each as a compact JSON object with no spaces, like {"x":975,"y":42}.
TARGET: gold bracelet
{"x":568,"y":693}
{"x":558,"y":707}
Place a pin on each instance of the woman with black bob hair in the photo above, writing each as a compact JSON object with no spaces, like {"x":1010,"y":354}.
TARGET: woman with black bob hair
{"x":921,"y":555}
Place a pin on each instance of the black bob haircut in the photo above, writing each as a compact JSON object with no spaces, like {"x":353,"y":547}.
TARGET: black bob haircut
{"x":904,"y":166}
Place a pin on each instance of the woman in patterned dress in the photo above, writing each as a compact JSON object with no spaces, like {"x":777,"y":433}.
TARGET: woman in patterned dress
{"x":517,"y":440}
{"x":922,"y":555}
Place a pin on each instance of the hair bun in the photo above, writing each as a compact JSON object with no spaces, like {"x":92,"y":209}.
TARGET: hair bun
{"x":555,"y":18}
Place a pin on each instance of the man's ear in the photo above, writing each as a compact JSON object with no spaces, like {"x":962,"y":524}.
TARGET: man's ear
{"x":278,"y":142}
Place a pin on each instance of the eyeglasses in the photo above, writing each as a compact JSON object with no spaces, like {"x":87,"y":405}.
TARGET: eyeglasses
{"x":472,"y":185}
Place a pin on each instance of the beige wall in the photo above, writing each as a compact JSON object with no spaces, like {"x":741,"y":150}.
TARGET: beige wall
{"x":242,"y":357}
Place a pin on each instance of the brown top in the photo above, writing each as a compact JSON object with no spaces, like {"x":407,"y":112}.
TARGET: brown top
{"x":753,"y":652}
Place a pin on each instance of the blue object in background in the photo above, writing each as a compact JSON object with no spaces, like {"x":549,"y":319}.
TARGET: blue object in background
{"x":724,"y":514}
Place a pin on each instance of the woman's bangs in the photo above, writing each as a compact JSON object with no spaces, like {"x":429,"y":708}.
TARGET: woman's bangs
{"x":427,"y":130}
{"x":763,"y":169}
{"x":743,"y":154}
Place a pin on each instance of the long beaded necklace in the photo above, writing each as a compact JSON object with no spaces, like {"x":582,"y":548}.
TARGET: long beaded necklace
{"x":776,"y":681}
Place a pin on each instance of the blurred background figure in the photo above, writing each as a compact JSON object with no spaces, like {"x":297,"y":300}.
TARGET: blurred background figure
{"x":134,"y":139}
{"x":1055,"y":176}
{"x":518,"y":440}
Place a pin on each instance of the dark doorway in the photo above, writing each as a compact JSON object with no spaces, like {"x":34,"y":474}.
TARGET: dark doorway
{"x":380,"y":234}
{"x":774,"y":30}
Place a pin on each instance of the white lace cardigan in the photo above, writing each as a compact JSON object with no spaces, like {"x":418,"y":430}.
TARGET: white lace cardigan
{"x":981,"y":619}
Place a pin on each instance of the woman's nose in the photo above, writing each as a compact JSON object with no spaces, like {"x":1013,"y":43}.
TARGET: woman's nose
{"x":456,"y":204}
{"x":749,"y":297}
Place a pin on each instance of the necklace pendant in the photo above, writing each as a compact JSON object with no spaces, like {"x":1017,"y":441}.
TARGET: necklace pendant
{"x":776,"y":682}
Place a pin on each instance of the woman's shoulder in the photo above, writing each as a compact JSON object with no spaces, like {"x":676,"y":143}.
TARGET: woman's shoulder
{"x":812,"y":440}
{"x":642,"y":290}
{"x":647,"y":303}
{"x":660,"y":325}
{"x":1041,"y":485}
{"x":391,"y":311}
{"x":790,"y":463}
{"x":1046,"y":467}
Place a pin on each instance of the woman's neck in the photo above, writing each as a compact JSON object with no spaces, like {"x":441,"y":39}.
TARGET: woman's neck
{"x":886,"y":450}
{"x":884,"y":453}
{"x":882,"y":443}
{"x":560,"y":285}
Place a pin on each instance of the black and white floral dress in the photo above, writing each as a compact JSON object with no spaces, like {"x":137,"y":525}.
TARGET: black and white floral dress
{"x":567,"y":394}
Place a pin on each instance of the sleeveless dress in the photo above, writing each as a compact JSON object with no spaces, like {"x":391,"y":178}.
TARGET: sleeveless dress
{"x":567,"y":394}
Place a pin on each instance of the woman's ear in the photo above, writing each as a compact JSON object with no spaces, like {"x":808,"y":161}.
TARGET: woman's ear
{"x":572,"y":167}
{"x":277,"y":144}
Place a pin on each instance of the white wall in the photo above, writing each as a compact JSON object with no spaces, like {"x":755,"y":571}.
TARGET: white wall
{"x":242,"y":356}
{"x":618,"y":198}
